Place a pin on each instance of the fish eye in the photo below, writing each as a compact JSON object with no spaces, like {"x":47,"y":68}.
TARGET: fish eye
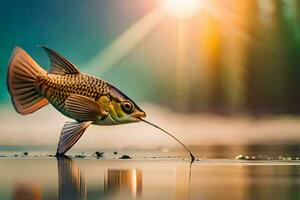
{"x":127,"y":107}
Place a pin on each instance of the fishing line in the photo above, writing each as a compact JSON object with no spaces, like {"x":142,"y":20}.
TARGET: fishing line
{"x":190,"y":178}
{"x":150,"y":123}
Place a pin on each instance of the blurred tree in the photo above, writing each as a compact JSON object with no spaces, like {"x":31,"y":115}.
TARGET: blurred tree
{"x":290,"y":28}
{"x":212,"y":70}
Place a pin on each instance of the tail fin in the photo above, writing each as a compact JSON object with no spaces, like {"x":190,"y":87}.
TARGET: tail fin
{"x":23,"y":83}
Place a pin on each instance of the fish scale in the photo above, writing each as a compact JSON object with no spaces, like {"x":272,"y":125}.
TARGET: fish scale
{"x":57,"y":88}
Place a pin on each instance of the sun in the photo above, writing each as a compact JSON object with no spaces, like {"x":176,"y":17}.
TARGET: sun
{"x":182,"y":9}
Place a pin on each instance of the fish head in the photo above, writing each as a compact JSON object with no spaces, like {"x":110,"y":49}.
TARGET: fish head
{"x":122,"y":109}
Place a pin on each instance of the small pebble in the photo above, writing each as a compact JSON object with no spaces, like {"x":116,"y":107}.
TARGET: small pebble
{"x":125,"y":157}
{"x":25,"y":153}
{"x":240,"y":157}
{"x":80,"y":156}
{"x":245,"y":157}
{"x":99,"y":154}
{"x":115,"y":153}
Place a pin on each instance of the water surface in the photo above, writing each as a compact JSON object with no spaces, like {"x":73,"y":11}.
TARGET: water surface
{"x":90,"y":178}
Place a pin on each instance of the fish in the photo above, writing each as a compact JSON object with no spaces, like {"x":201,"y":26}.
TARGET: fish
{"x":84,"y":98}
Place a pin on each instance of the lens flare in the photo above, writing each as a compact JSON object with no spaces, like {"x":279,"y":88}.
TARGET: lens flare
{"x":182,"y":9}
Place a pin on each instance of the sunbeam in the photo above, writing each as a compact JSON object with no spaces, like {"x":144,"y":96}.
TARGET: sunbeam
{"x":122,"y":45}
{"x":182,"y":9}
{"x":119,"y":48}
{"x":227,"y":19}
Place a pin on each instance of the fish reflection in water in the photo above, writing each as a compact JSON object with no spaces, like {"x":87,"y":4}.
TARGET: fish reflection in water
{"x":124,"y":182}
{"x":71,"y":181}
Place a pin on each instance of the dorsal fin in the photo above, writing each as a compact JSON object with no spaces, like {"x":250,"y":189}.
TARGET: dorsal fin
{"x":59,"y":64}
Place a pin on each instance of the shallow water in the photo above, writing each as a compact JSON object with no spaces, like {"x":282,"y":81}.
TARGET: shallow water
{"x":90,"y":178}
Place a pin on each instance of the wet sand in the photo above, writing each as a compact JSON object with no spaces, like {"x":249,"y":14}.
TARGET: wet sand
{"x":29,"y":177}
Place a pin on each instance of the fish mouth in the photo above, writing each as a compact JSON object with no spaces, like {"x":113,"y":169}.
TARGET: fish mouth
{"x":139,"y":115}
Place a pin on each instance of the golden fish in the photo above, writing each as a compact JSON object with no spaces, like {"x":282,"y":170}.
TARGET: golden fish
{"x":84,"y":98}
{"x":87,"y":99}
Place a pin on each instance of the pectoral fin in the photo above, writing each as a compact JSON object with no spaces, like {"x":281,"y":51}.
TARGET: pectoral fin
{"x":70,"y":134}
{"x":84,"y":108}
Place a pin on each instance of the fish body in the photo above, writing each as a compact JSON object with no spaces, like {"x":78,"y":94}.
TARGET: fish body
{"x":84,"y":98}
{"x":57,"y":89}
